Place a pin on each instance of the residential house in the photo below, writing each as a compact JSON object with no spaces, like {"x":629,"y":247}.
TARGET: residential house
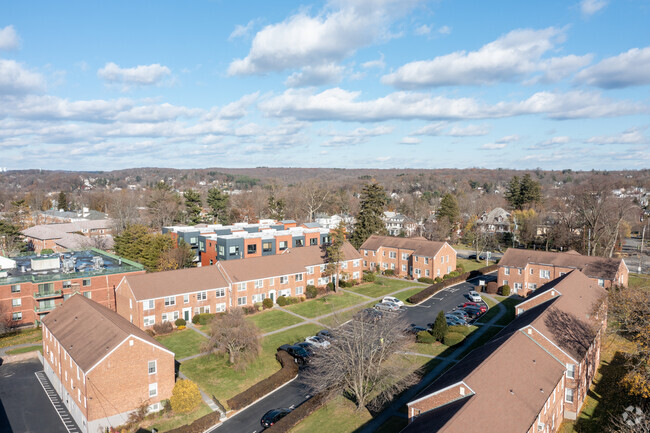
{"x":334,"y":221}
{"x":526,"y":270}
{"x":408,"y":257}
{"x":398,"y":224}
{"x":32,"y":286}
{"x":102,"y":366}
{"x":495,"y":221}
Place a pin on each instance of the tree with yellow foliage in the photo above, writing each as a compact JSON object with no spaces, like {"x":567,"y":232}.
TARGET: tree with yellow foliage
{"x":186,"y":396}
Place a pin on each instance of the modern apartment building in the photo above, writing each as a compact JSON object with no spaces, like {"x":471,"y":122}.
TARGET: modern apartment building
{"x":102,"y":366}
{"x":538,"y":369}
{"x":408,"y":257}
{"x":525,"y":270}
{"x":32,"y":286}
{"x":166,"y":296}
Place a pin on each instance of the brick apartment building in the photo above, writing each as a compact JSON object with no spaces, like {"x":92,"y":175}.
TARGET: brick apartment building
{"x":69,"y":236}
{"x":166,"y":296}
{"x":408,"y":257}
{"x":525,"y":270}
{"x":102,"y":366}
{"x":32,"y":286}
{"x":534,"y":374}
{"x":216,"y":242}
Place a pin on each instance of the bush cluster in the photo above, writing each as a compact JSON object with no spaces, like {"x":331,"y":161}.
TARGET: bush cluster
{"x":425,"y":337}
{"x":505,"y":290}
{"x":460,"y":268}
{"x":453,"y":338}
{"x":368,"y":277}
{"x":435,"y":288}
{"x":311,"y":291}
{"x":491,"y":287}
{"x":267,"y":303}
{"x":163,"y":328}
{"x":248,"y":309}
{"x":465,"y":330}
{"x":180,"y":322}
{"x":437,"y":280}
{"x":288,"y":371}
{"x":389,"y":272}
{"x":282,"y":301}
{"x":425,"y":280}
{"x":202,"y":319}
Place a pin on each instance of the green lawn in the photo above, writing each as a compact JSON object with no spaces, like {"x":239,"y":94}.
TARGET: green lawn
{"x":24,"y":350}
{"x":639,"y":281}
{"x":183,"y":343}
{"x":508,"y":303}
{"x":170,"y":421}
{"x":384,"y":286}
{"x":338,"y":415}
{"x":21,"y":337}
{"x":403,"y":296}
{"x":213,"y":374}
{"x":326,"y":304}
{"x":339,"y":318}
{"x":471,"y":264}
{"x":272,"y":320}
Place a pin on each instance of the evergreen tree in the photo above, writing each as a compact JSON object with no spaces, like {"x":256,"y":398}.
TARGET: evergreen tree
{"x":10,"y":239}
{"x":131,"y":242}
{"x":156,"y":245}
{"x":522,"y":192}
{"x":63,"y":201}
{"x":440,"y":326}
{"x":334,"y":254}
{"x":193,"y":206}
{"x":370,"y":218}
{"x":218,"y":202}
{"x":276,"y":208}
{"x":448,"y":209}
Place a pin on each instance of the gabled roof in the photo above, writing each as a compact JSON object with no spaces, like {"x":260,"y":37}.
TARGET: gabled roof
{"x":419,"y":245}
{"x":88,"y":331}
{"x":591,"y":266}
{"x":176,"y":282}
{"x":492,"y":217}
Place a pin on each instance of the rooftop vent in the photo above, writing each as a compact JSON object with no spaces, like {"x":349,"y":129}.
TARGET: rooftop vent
{"x":68,"y":265}
{"x":98,"y":263}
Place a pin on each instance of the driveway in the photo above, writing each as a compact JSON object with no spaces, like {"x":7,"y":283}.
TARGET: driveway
{"x":24,"y":406}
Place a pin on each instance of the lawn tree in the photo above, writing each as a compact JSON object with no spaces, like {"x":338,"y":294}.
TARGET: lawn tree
{"x":525,"y":223}
{"x":218,"y":202}
{"x":62,"y":202}
{"x":370,"y":218}
{"x":6,"y":321}
{"x":193,"y":206}
{"x":314,"y":196}
{"x":131,"y":242}
{"x":153,"y":250}
{"x":476,"y":236}
{"x":439,"y":326}
{"x":334,"y":254}
{"x":231,"y":334}
{"x":363,"y":362}
{"x":164,"y":206}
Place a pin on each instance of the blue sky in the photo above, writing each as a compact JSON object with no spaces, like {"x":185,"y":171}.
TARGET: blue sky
{"x":356,"y":83}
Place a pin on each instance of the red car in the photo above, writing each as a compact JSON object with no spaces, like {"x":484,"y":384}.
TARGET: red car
{"x":481,"y":307}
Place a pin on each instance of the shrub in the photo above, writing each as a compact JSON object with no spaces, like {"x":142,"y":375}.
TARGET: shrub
{"x":202,"y":319}
{"x":368,"y":277}
{"x":150,"y":332}
{"x":437,"y":280}
{"x":439,"y":326}
{"x":425,"y":280}
{"x":330,"y":286}
{"x":247,"y":309}
{"x":186,"y":396}
{"x":446,"y":277}
{"x":288,"y":371}
{"x":293,"y":299}
{"x":195,"y":319}
{"x":47,"y":251}
{"x":453,"y":274}
{"x":389,"y":272}
{"x":180,"y":328}
{"x":491,"y":287}
{"x":163,"y":328}
{"x":281,"y":301}
{"x":180,"y":322}
{"x":267,"y":303}
{"x":460,"y":268}
{"x":465,"y":330}
{"x":311,"y":291}
{"x":343,"y":284}
{"x":453,"y":338}
{"x":505,"y":290}
{"x":425,"y":337}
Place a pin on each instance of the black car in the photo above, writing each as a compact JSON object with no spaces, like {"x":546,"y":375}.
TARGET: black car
{"x":472,"y":312}
{"x":273,"y":416}
{"x":414,"y":329}
{"x":310,"y":348}
{"x":325,"y":334}
{"x":300,"y":354}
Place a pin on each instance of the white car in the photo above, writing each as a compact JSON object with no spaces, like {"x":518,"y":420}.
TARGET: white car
{"x":319,"y":342}
{"x":393,"y":300}
{"x":474,"y":296}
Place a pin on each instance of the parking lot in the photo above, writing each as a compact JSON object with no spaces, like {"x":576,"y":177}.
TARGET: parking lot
{"x":24,"y":406}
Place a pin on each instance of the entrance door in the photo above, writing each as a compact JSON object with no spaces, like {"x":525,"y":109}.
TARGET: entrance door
{"x":187,"y":312}
{"x":272,"y":295}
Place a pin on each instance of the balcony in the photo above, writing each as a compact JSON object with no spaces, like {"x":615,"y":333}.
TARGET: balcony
{"x":46,"y":309}
{"x":45,"y":295}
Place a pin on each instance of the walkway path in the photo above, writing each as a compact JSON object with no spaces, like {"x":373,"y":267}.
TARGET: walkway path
{"x":4,"y":350}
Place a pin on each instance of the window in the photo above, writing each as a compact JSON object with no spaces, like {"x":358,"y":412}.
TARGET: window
{"x":416,"y":258}
{"x":403,"y":268}
{"x":164,"y":317}
{"x":258,"y":298}
{"x":562,"y":274}
{"x":601,"y":282}
{"x":365,"y":252}
{"x":283,"y":245}
{"x":392,"y":266}
{"x":310,"y":270}
{"x":222,"y":250}
{"x":251,"y":249}
{"x":532,"y":286}
{"x":323,"y":281}
{"x":384,"y":265}
{"x":85,"y":282}
{"x":233,"y":250}
{"x":298,"y":290}
{"x":300,"y":242}
{"x":171,"y":300}
{"x":259,"y":284}
{"x":322,"y":268}
{"x":568,"y":395}
{"x":175,"y":315}
{"x":417,"y":272}
{"x":365,"y":263}
{"x":221,"y":307}
{"x":267,"y":247}
{"x":186,"y":299}
{"x":313,"y":241}
{"x":149,"y":320}
{"x":310,"y":282}
{"x":392,"y":255}
{"x":45,"y":287}
{"x":16,"y":302}
{"x":356,"y":263}
{"x":202,"y":310}
{"x":505,"y":282}
{"x":241,"y":300}
{"x":532,"y":271}
{"x":271,"y":281}
{"x":519,"y":270}
{"x":344,"y":265}
{"x":220,"y":293}
{"x":405,"y":256}
{"x":284,"y":280}
{"x":298,"y":277}
{"x":448,"y":269}
{"x":517,"y":286}
{"x":88,"y":295}
{"x":355,"y":275}
{"x":427,"y":273}
{"x":67,"y":284}
{"x":447,"y":258}
{"x":202,"y":296}
{"x":130,"y":303}
{"x":153,"y":389}
{"x":506,"y":271}
{"x":286,"y":292}
{"x":15,"y":288}
{"x":152,"y":367}
{"x":442,"y":259}
{"x":544,"y":274}
{"x":17,"y":316}
{"x":571,"y":371}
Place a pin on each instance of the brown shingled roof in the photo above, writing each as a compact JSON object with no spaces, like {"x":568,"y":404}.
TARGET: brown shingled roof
{"x":419,"y":245}
{"x":591,"y":266}
{"x":88,"y":331}
{"x":176,"y":282}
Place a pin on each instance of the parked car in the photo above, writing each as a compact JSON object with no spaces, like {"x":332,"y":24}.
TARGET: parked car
{"x":474,"y":296}
{"x":455,"y":320}
{"x":387,"y":306}
{"x":414,"y":329}
{"x":472,"y":312}
{"x":460,"y":313}
{"x":310,"y":348}
{"x":273,"y":416}
{"x":482,"y":307}
{"x":300,"y":354}
{"x":325,"y":334}
{"x":368,"y":315}
{"x":393,"y":300}
{"x":318,"y":342}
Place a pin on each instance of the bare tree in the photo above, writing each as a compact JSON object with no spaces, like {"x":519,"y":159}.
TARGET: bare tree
{"x":6,"y":321}
{"x":362,"y":361}
{"x":123,"y":209}
{"x":164,"y":206}
{"x":314,"y":197}
{"x":633,"y":420}
{"x":232,"y":334}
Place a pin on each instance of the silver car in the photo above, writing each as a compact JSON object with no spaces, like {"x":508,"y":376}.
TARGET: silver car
{"x":387,"y":306}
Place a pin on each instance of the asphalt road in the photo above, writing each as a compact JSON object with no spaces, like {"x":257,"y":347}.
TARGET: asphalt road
{"x":24,"y":406}
{"x":295,"y":392}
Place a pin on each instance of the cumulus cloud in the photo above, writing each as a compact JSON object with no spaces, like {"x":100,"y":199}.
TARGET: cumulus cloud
{"x":237,"y":109}
{"x":142,"y":75}
{"x":315,"y":76}
{"x":354,"y":137}
{"x":16,"y":80}
{"x":509,"y":58}
{"x":629,"y":136}
{"x":590,"y":7}
{"x":625,"y":70}
{"x":330,"y":36}
{"x":9,"y":38}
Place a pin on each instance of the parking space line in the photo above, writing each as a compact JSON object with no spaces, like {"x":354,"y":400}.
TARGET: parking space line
{"x":52,"y":395}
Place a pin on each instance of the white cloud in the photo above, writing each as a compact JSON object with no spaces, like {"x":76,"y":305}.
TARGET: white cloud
{"x":410,"y":140}
{"x":494,"y":146}
{"x":442,"y":128}
{"x":242,"y":31}
{"x":315,"y":76}
{"x":16,"y":80}
{"x":436,"y":128}
{"x":354,"y":137}
{"x":444,"y":30}
{"x":552,"y":142}
{"x":140,"y":75}
{"x":238,"y":109}
{"x":590,"y":7}
{"x":334,"y":34}
{"x":423,"y":30}
{"x":9,"y":38}
{"x":509,"y":58}
{"x":630,"y":136}
{"x":631,"y":68}
{"x":379,"y":63}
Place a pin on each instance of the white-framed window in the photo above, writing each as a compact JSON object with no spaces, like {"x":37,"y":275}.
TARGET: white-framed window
{"x":505,"y":282}
{"x":202,"y":310}
{"x":405,"y":256}
{"x":79,"y":395}
{"x":283,"y":245}
{"x":442,"y":259}
{"x":175,"y":315}
{"x":15,"y":288}
{"x":417,"y":272}
{"x":153,"y":389}
{"x":298,"y":277}
{"x":601,"y":282}
{"x":403,"y":268}
{"x":202,"y":296}
{"x":88,"y":295}
{"x":568,"y":395}
{"x":571,"y":371}
{"x":355,"y":275}
{"x":154,"y":407}
{"x":285,"y":292}
{"x":356,"y":263}
{"x":241,"y":300}
{"x":544,"y":274}
{"x":271,"y":281}
{"x":310,"y":282}
{"x":392,"y":255}
{"x":241,"y":287}
{"x":149,"y":304}
{"x":448,"y":269}
{"x":562,"y":274}
{"x":149,"y":320}
{"x":259,"y":297}
{"x":365,"y":263}
{"x":130,"y":303}
{"x":16,"y":302}
{"x":532,"y":286}
{"x":416,"y":258}
{"x":220,"y":307}
{"x":532,"y":271}
{"x":299,"y":290}
{"x":344,"y":265}
{"x":186,"y":299}
{"x":170,"y":300}
{"x":506,"y":271}
{"x":259,"y":284}
{"x":310,"y":270}
{"x":152,"y":367}
{"x":426,"y":260}
{"x":284,"y":279}
{"x":447,"y":258}
{"x":323,"y":281}
{"x":164,"y":317}
{"x":233,"y":250}
{"x":365,"y":252}
{"x":17,"y":316}
{"x":427,"y":273}
{"x":220,"y":293}
{"x":517,"y":286}
{"x":520,"y":271}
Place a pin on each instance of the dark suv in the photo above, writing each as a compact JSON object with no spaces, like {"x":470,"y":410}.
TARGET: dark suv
{"x":300,"y":354}
{"x":273,"y":416}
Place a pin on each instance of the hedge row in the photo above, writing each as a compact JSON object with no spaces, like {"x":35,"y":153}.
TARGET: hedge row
{"x":288,"y":371}
{"x":298,"y":414}
{"x":200,"y":425}
{"x":435,"y":288}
